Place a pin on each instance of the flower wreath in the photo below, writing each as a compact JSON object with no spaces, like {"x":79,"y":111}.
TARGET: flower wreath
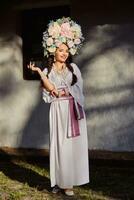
{"x":63,"y":30}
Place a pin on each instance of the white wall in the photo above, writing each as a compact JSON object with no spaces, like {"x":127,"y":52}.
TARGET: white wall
{"x":107,"y":65}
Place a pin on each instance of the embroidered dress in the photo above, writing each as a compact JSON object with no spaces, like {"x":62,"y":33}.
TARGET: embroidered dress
{"x":69,"y":164}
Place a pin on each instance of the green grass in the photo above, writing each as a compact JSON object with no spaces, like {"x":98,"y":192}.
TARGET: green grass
{"x":25,"y":179}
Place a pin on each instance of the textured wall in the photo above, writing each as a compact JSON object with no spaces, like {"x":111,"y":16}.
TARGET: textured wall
{"x":22,"y":119}
{"x":107,"y":65}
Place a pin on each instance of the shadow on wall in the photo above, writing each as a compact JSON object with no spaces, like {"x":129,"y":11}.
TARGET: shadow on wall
{"x":23,"y":116}
{"x":106,"y":62}
{"x":36,"y":132}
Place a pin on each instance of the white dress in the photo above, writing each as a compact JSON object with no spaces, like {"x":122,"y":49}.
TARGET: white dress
{"x":69,"y":164}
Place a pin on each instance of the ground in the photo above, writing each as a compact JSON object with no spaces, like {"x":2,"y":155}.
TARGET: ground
{"x":24,"y":178}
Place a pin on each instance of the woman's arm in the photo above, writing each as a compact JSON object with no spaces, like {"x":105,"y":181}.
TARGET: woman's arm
{"x":46,"y":83}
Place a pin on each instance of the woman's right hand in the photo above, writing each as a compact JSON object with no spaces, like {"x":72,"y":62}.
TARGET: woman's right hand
{"x":33,"y":67}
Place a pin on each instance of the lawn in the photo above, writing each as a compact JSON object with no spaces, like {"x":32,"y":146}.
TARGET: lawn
{"x":28,"y":179}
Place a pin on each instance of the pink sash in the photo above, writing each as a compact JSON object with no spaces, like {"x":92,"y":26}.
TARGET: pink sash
{"x":76,"y":113}
{"x":74,"y":121}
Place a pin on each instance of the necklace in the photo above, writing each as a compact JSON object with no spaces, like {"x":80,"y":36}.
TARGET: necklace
{"x":61,"y":74}
{"x":59,"y":71}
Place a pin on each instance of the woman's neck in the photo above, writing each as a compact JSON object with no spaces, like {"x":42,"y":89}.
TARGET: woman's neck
{"x":59,"y":65}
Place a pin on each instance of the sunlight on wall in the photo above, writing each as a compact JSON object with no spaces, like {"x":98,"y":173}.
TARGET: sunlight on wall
{"x":106,"y":61}
{"x":107,"y":65}
{"x":17,"y":97}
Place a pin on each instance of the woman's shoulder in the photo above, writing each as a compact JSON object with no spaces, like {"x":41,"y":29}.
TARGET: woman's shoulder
{"x":75,"y":68}
{"x":74,"y":65}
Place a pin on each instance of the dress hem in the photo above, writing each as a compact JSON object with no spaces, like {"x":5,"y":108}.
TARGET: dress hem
{"x":77,"y":184}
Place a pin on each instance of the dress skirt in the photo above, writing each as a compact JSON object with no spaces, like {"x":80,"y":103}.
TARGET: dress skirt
{"x":69,"y":162}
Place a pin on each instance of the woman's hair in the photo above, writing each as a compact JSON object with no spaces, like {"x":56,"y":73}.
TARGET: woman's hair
{"x":50,"y":62}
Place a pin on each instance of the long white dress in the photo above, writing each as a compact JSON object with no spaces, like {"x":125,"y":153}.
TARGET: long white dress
{"x":69,"y":164}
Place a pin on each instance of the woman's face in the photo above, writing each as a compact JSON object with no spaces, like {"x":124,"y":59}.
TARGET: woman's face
{"x":61,"y":53}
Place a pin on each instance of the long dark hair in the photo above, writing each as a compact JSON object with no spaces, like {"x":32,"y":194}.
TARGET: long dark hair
{"x":50,"y":62}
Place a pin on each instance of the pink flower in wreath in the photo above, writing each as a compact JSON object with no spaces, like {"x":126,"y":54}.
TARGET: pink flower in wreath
{"x":54,"y":30}
{"x":77,"y":41}
{"x":58,"y":43}
{"x":66,"y":30}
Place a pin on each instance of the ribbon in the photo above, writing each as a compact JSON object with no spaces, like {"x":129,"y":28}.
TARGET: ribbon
{"x":76,"y":113}
{"x":74,"y":121}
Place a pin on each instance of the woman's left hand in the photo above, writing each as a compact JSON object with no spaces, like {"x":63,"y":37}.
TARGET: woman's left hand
{"x":61,"y":93}
{"x":54,"y":93}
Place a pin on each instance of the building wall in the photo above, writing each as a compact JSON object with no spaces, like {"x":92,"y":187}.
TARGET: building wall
{"x":106,"y":62}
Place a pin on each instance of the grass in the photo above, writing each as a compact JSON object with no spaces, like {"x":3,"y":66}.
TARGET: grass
{"x":28,"y":179}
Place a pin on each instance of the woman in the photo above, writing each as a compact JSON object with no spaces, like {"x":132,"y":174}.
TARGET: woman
{"x":63,"y":88}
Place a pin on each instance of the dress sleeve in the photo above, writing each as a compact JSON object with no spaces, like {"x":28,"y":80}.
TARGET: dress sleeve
{"x":76,"y":90}
{"x":47,"y":97}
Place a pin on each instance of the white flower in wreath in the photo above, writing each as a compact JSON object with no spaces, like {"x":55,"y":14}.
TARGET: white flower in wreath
{"x":44,"y":44}
{"x":70,"y":44}
{"x":72,"y":51}
{"x":45,"y":52}
{"x":49,"y":41}
{"x":51,"y":49}
{"x":76,"y":29}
